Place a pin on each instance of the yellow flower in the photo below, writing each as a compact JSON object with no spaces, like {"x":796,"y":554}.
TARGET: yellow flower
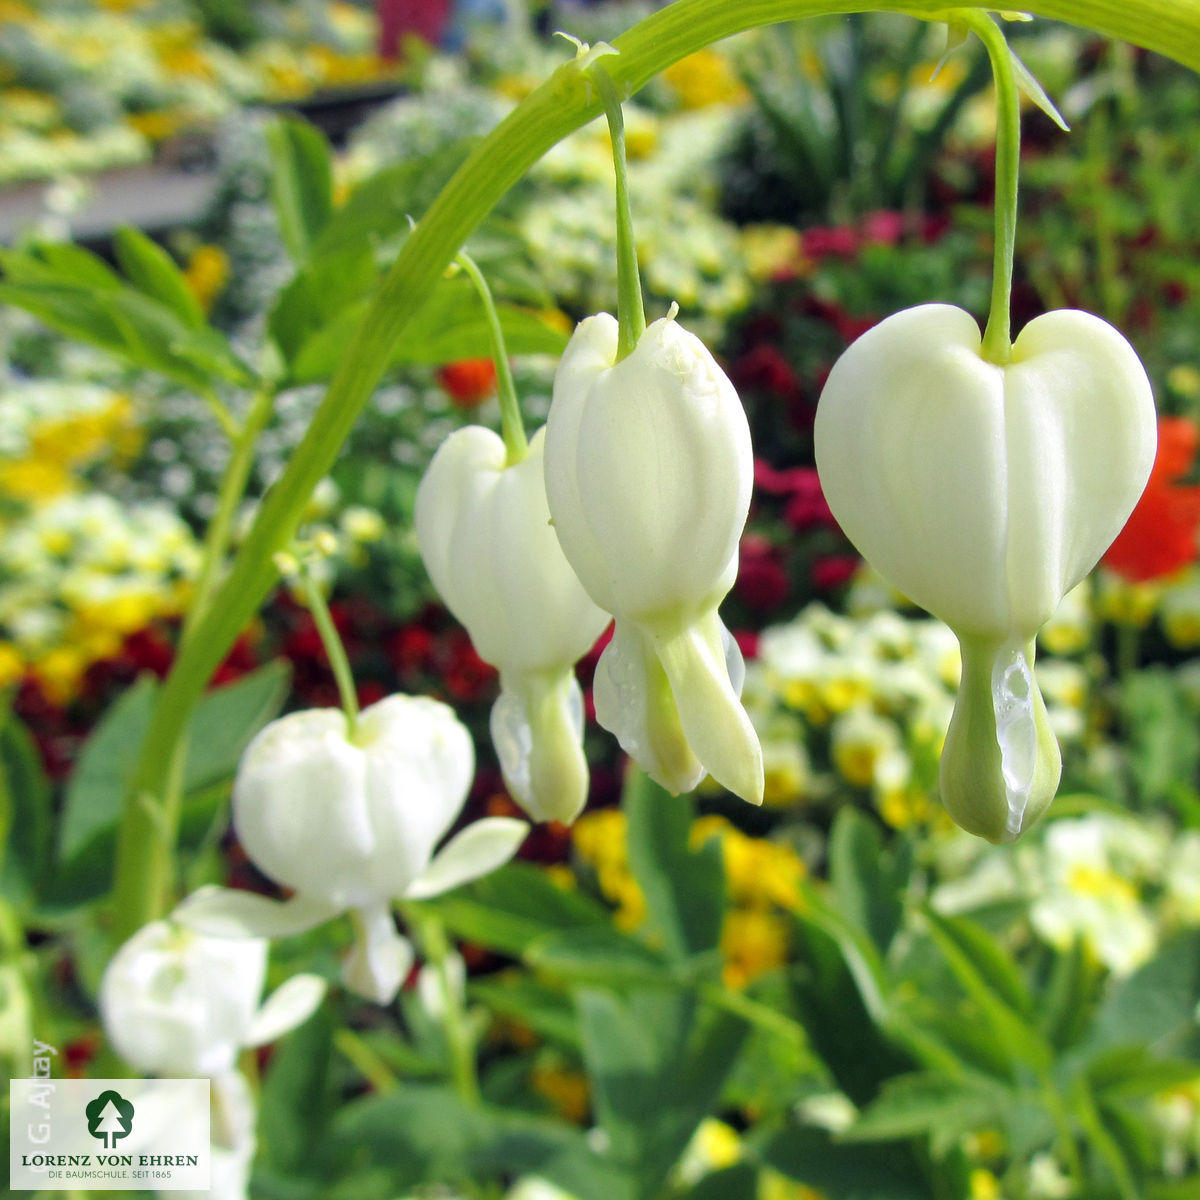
{"x":33,"y":479}
{"x":704,"y":78}
{"x":752,"y":943}
{"x":774,"y":1186}
{"x":60,"y":672}
{"x":567,"y":1090}
{"x":206,"y":274}
{"x":984,"y":1185}
{"x":12,"y":665}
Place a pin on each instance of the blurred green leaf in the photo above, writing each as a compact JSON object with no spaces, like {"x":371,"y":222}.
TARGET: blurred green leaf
{"x":301,"y":183}
{"x":868,"y":880}
{"x":25,"y":816}
{"x":601,"y":956}
{"x":425,"y":1134}
{"x":849,"y":1172}
{"x":1162,"y":734}
{"x":656,"y":1072}
{"x":1133,"y":1072}
{"x":928,"y":1103}
{"x":299,"y":1095}
{"x":547,"y":1011}
{"x":1154,"y":1006}
{"x":153,"y":272}
{"x":733,"y":1183}
{"x":992,"y":981}
{"x":513,"y":906}
{"x":684,"y":888}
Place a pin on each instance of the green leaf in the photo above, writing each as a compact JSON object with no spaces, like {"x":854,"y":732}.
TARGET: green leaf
{"x":380,"y":207}
{"x":133,"y":328}
{"x":991,"y":980}
{"x":449,"y":326}
{"x":655,"y":1071}
{"x":513,"y":906}
{"x":1068,"y":1000}
{"x":1163,"y":737}
{"x":600,"y":956}
{"x":299,"y":1096}
{"x":548,"y":1011}
{"x":59,"y":262}
{"x":227,"y":718}
{"x":868,"y":881}
{"x":1133,"y":1072}
{"x":25,"y":816}
{"x":684,"y":889}
{"x":318,"y":298}
{"x":153,"y":272}
{"x":1155,"y":1005}
{"x":928,"y":1103}
{"x":847,"y":1172}
{"x":301,"y":183}
{"x":425,"y":1134}
{"x":739,"y":1182}
{"x":101,"y":777}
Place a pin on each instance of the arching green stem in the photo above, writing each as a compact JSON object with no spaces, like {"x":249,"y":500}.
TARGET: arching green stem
{"x":562,"y":104}
{"x":512,"y":427}
{"x":997,"y":337}
{"x":334,"y":650}
{"x":631,"y":315}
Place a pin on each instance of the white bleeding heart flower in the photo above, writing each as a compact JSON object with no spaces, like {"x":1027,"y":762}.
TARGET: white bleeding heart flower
{"x":483,"y":527}
{"x":351,"y":824}
{"x":984,"y":493}
{"x":175,"y":1002}
{"x":648,"y":474}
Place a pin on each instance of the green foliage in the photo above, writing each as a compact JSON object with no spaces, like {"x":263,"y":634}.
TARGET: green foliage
{"x":25,"y":814}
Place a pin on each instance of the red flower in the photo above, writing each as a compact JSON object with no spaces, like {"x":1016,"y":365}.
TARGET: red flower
{"x":834,"y":570}
{"x":468,"y":382}
{"x":1160,"y":535}
{"x":762,"y":582}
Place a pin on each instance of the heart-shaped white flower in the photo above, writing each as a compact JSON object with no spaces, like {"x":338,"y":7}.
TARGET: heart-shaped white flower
{"x":984,"y":493}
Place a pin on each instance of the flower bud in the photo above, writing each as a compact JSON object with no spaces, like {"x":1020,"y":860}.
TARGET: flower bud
{"x":350,"y":823}
{"x":648,"y":474}
{"x":485,"y":536}
{"x":985,"y":493}
{"x":177,"y":1003}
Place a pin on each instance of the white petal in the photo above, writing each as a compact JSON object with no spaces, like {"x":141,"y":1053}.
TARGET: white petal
{"x":289,"y":1005}
{"x":634,"y":703}
{"x":697,"y":664}
{"x":380,"y":959}
{"x":479,"y":848}
{"x":537,"y":730}
{"x":224,"y":912}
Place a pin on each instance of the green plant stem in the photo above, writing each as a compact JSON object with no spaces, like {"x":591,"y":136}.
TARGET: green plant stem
{"x":334,"y":650}
{"x":512,"y":427}
{"x":432,"y":934}
{"x":368,"y":1064}
{"x":631,"y":313}
{"x":559,"y":106}
{"x":755,"y":1013}
{"x":229,"y":496}
{"x":997,"y":337}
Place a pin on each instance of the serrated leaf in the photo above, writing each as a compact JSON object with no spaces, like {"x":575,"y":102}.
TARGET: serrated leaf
{"x":153,"y":272}
{"x":301,"y":183}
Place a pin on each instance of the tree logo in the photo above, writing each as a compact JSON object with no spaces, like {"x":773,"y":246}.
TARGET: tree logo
{"x":109,"y":1117}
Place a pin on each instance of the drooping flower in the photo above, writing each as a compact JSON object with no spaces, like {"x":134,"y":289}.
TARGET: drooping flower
{"x":1160,"y":536}
{"x":985,"y":493}
{"x":485,"y":536}
{"x":648,"y":474}
{"x":175,"y":1002}
{"x":350,"y":824}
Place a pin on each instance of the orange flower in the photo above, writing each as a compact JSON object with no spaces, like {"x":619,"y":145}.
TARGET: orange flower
{"x":1160,"y":535}
{"x":469,"y":382}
